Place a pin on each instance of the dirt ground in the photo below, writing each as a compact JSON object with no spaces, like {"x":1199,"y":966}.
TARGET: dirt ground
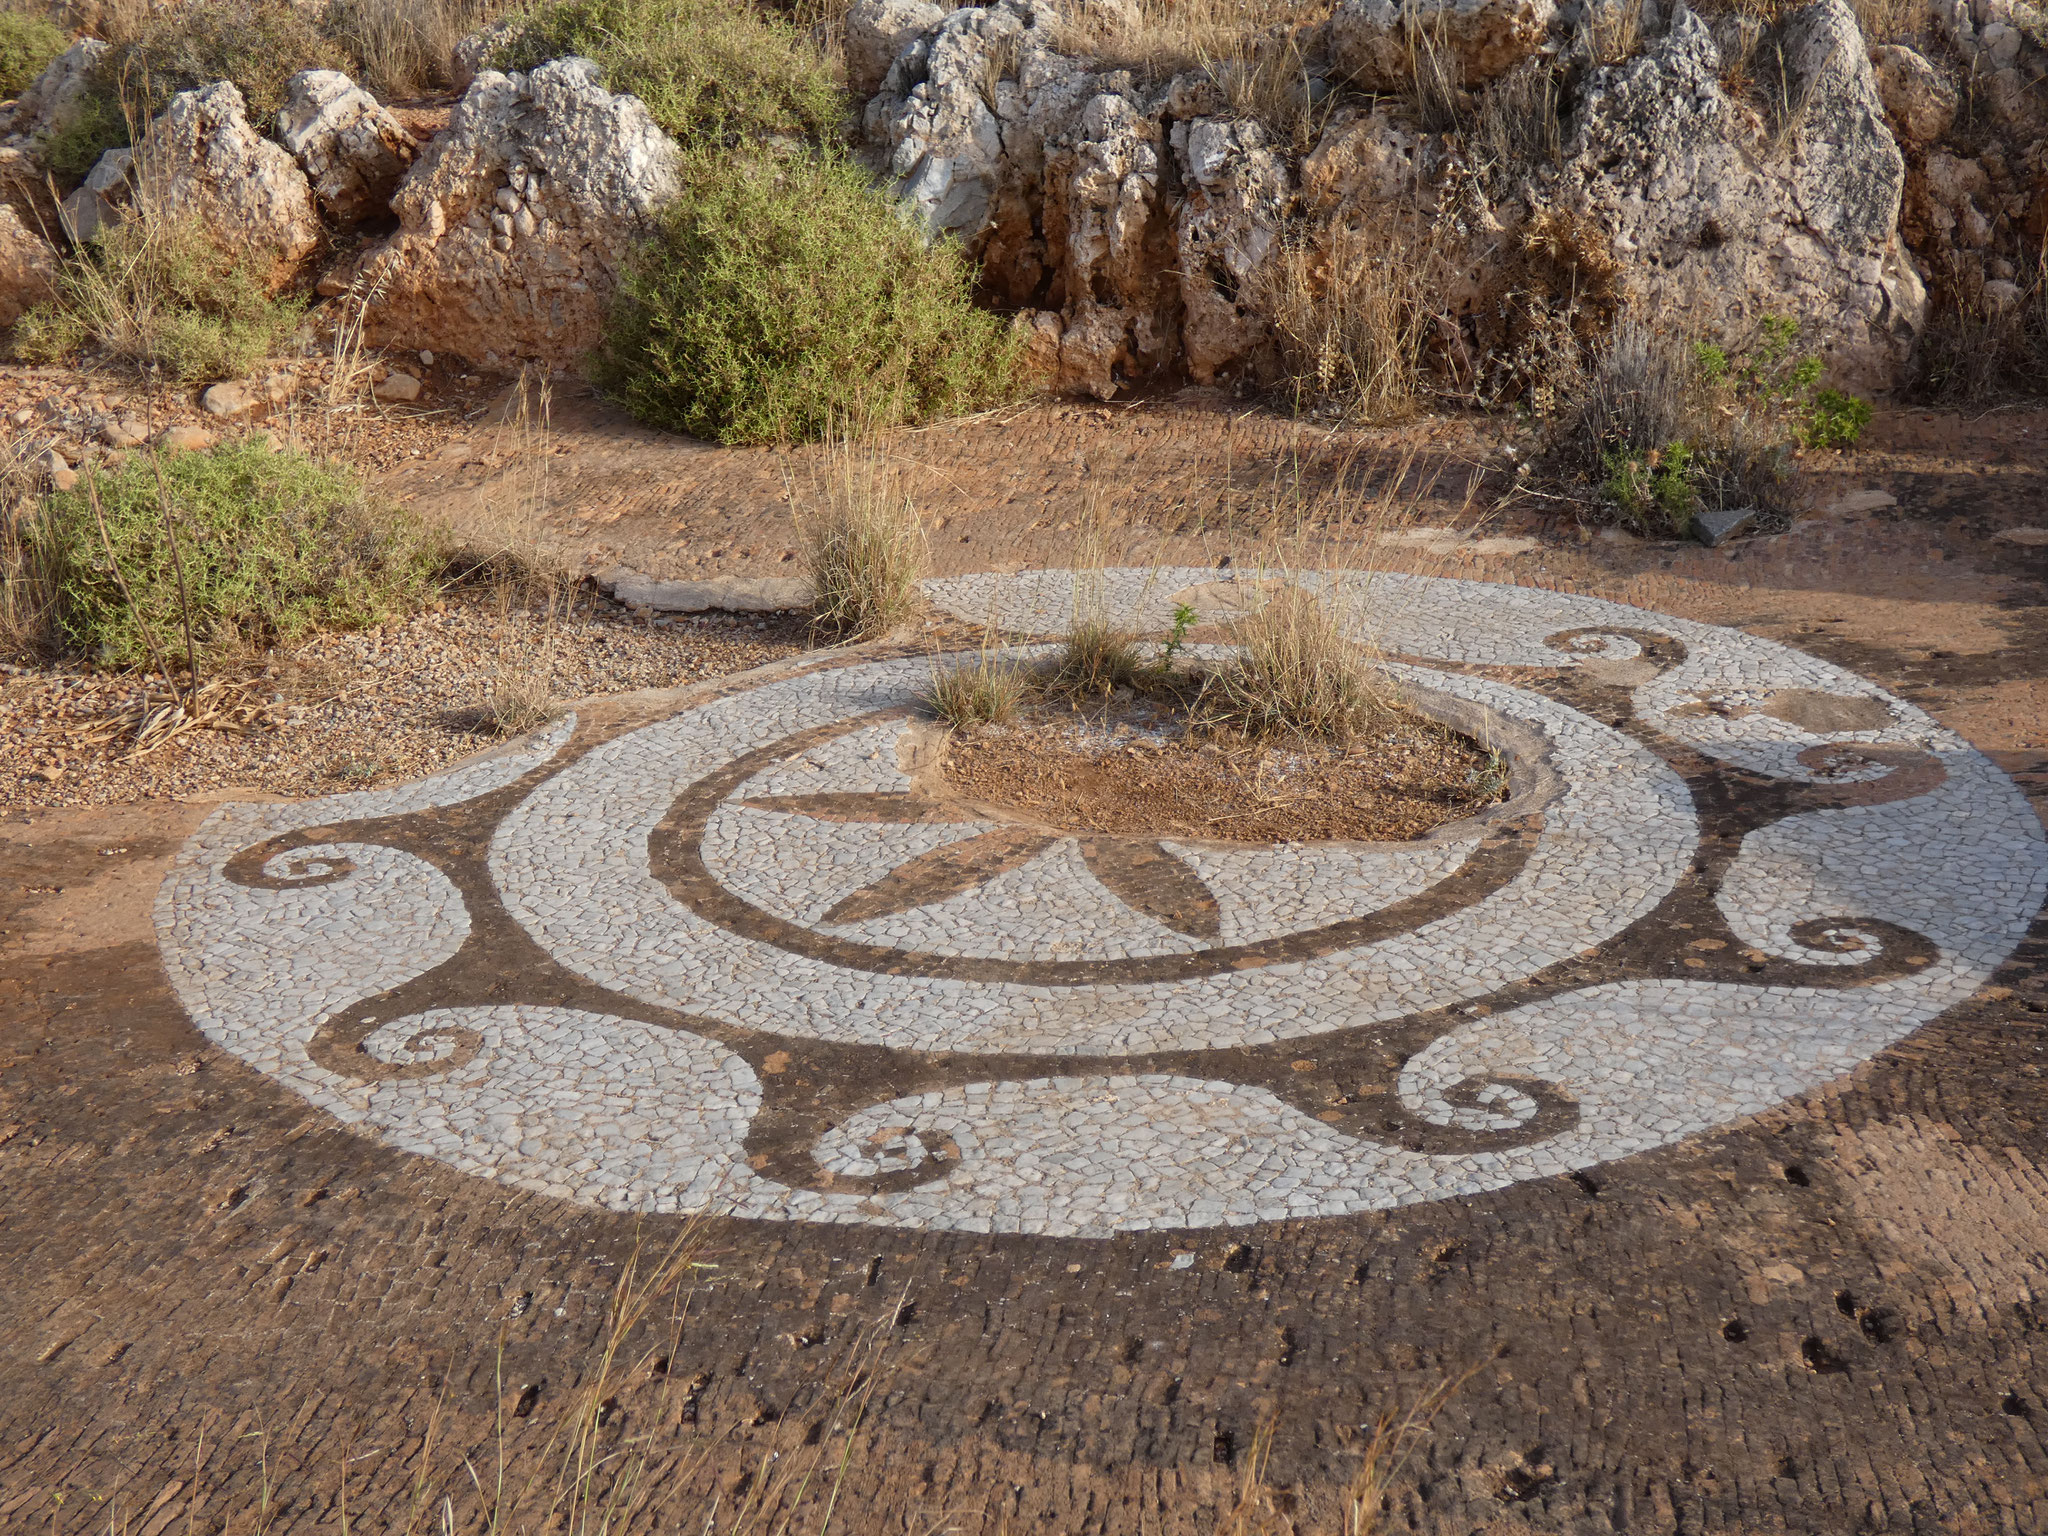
{"x":226,"y":1311}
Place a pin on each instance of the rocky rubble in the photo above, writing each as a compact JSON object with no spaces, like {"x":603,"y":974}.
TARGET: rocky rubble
{"x":351,"y":149}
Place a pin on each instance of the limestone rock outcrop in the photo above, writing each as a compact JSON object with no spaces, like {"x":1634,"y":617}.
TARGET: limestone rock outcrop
{"x":1138,"y":226}
{"x":513,"y":222}
{"x":28,"y":267}
{"x":202,"y":158}
{"x":351,"y":149}
{"x":51,"y":101}
{"x":1720,"y":218}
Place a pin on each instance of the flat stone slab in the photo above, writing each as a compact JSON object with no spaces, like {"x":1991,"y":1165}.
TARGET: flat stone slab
{"x":733,"y":957}
{"x":738,"y":594}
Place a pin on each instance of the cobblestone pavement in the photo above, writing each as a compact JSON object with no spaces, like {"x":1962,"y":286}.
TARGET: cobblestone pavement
{"x":1685,"y":1104}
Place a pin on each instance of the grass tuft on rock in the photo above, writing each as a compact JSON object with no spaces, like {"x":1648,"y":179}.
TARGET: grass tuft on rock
{"x":784,"y":299}
{"x":269,"y":547}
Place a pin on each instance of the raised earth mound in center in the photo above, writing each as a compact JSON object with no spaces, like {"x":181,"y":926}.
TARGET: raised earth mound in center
{"x":1131,"y":765}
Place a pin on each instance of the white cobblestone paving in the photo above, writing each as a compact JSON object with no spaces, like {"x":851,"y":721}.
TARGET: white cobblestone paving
{"x":635,"y":1109}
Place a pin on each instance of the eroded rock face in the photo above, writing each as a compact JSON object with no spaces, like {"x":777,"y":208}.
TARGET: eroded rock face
{"x":202,"y":158}
{"x":514,"y":220}
{"x":1719,"y":219}
{"x":876,"y":31}
{"x":49,"y":104}
{"x":28,"y":267}
{"x":352,"y":150}
{"x":1375,"y":43}
{"x":1919,"y":103}
{"x":1140,"y":226}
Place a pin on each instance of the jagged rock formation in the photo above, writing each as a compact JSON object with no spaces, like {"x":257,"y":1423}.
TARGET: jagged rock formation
{"x":48,"y":105}
{"x":514,"y":221}
{"x":202,"y":159}
{"x":351,"y":149}
{"x":1140,"y":222}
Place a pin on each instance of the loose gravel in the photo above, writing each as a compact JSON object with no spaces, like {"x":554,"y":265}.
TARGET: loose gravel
{"x":364,"y":709}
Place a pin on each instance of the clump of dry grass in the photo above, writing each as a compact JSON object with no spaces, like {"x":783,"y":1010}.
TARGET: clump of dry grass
{"x":521,"y":698}
{"x":1354,"y":314}
{"x":1636,"y":392}
{"x":1296,"y":673}
{"x":159,"y":290}
{"x":986,"y":691}
{"x":29,"y":590}
{"x":1974,"y":351}
{"x":1097,"y":658}
{"x":863,"y":545}
{"x":403,"y":47}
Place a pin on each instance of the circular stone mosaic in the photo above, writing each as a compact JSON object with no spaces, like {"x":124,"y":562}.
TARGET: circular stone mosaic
{"x":747,"y":956}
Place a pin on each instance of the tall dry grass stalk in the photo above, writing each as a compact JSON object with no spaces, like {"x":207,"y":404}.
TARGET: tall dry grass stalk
{"x":863,"y":545}
{"x":403,"y":47}
{"x":1299,"y":671}
{"x":28,"y":578}
{"x":1162,"y":38}
{"x":1354,"y":314}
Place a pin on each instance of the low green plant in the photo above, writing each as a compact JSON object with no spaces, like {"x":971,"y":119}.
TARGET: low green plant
{"x":1184,"y":618}
{"x":96,"y":124}
{"x":717,"y":74}
{"x":28,"y":42}
{"x":1834,"y":420}
{"x":241,"y":544}
{"x":1661,"y":483}
{"x":784,"y":299}
{"x":156,"y":289}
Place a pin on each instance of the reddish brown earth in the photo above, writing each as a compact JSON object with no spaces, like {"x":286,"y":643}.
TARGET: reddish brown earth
{"x":226,"y":1311}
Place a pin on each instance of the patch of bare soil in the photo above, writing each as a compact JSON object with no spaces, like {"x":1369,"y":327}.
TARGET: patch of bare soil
{"x":352,"y":711}
{"x":1131,"y":765}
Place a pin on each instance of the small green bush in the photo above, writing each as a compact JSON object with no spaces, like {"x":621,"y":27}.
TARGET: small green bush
{"x":1654,"y":486}
{"x":273,"y":545}
{"x":781,"y":300}
{"x":1834,"y":420}
{"x":159,"y":290}
{"x":715,"y":73}
{"x":27,"y":45}
{"x":97,"y":124}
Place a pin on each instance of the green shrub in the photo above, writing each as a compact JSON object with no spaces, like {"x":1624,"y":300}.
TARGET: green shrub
{"x":273,"y":546}
{"x":97,"y":124}
{"x":27,"y":45}
{"x":1658,"y":486}
{"x":781,"y":300}
{"x":715,"y":73}
{"x":159,"y":290}
{"x":1834,"y":420}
